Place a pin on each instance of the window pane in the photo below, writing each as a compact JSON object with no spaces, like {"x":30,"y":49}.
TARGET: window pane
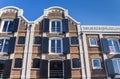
{"x":10,"y":28}
{"x":96,"y":63}
{"x":53,"y":46}
{"x":37,"y":40}
{"x":36,"y":63}
{"x":116,"y":46}
{"x":74,"y":40}
{"x":76,"y":63}
{"x":18,"y":63}
{"x":21,"y":40}
{"x":93,"y":41}
{"x":5,"y":49}
{"x":5,"y":26}
{"x":119,"y":65}
{"x":58,"y":46}
{"x":115,"y":65}
{"x":110,"y":46}
{"x":53,"y":26}
{"x":58,"y":26}
{"x":2,"y":64}
{"x":1,"y":44}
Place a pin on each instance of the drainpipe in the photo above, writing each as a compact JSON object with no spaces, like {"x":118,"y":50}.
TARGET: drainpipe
{"x":25,"y":54}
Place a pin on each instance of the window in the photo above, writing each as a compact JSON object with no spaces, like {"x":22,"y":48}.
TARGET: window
{"x":2,"y":64}
{"x":96,"y":63}
{"x":116,"y":63}
{"x":21,"y":40}
{"x":1,"y":75}
{"x":55,"y":26}
{"x":7,"y":25}
{"x":4,"y":43}
{"x":36,"y":63}
{"x":56,"y":45}
{"x":18,"y":63}
{"x":74,"y":40}
{"x":76,"y":63}
{"x":37,"y":40}
{"x":114,"y":45}
{"x":93,"y":42}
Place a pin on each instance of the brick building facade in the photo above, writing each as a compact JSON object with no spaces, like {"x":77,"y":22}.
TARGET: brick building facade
{"x":56,"y":46}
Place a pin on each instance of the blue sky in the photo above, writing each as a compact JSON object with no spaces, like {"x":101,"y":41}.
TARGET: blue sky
{"x":99,"y":12}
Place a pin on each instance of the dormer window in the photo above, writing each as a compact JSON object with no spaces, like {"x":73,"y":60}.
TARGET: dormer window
{"x":55,"y":26}
{"x":7,"y":25}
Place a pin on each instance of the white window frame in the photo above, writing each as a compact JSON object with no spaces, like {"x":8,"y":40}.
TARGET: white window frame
{"x":2,"y":25}
{"x":94,"y":67}
{"x":55,"y":38}
{"x":3,"y":45}
{"x":50,"y":29}
{"x":93,"y":45}
{"x":114,"y":46}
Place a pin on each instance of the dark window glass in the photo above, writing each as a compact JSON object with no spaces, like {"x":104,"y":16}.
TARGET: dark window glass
{"x":18,"y":63}
{"x":56,"y":46}
{"x":10,"y":27}
{"x":1,"y":44}
{"x":74,"y":40}
{"x":7,"y":26}
{"x":52,"y":45}
{"x":2,"y":64}
{"x":53,"y":26}
{"x":36,"y":63}
{"x":37,"y":40}
{"x":4,"y":45}
{"x":76,"y":63}
{"x":21,"y":40}
{"x":56,"y":26}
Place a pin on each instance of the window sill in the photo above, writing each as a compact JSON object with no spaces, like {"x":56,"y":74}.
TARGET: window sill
{"x":93,"y":46}
{"x":55,"y":53}
{"x":74,"y":44}
{"x":76,"y":68}
{"x":6,"y":32}
{"x":35,"y":68}
{"x":20,"y":44}
{"x":97,"y":68}
{"x":17,"y":68}
{"x":3,"y":53}
{"x":36,"y":44}
{"x":117,"y":76}
{"x":114,"y":53}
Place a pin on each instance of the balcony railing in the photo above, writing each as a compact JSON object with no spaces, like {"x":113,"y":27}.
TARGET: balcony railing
{"x":56,"y":73}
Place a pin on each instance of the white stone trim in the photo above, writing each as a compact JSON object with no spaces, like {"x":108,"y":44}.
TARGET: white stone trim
{"x":81,"y":52}
{"x":23,"y":74}
{"x":13,"y":9}
{"x":100,"y":28}
{"x":87,"y":64}
{"x":29,"y":59}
